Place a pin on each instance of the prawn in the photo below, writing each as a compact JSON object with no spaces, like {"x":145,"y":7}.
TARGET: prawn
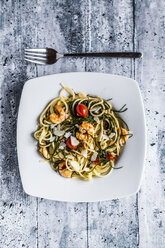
{"x":85,"y":130}
{"x":63,"y":171}
{"x":44,"y":152}
{"x":124,"y":138}
{"x":57,"y":118}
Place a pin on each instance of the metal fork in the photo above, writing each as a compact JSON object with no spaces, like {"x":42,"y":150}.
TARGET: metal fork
{"x":50,"y":56}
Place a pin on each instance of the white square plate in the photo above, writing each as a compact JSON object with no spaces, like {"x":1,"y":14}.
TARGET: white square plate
{"x":39,"y":179}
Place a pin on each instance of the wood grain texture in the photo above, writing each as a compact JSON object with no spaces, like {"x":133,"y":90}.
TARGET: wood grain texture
{"x":18,"y":219}
{"x":82,"y":26}
{"x":149,"y":38}
{"x":114,"y":223}
{"x":59,"y":223}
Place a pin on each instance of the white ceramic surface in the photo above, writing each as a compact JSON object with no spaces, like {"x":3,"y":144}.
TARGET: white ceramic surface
{"x":39,"y":179}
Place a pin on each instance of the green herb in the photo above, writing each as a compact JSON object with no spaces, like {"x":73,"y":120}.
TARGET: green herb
{"x":74,"y":173}
{"x":102,"y":155}
{"x":57,"y":146}
{"x":106,"y":105}
{"x":92,"y":138}
{"x":56,"y":164}
{"x":116,"y":168}
{"x":79,"y":120}
{"x":73,"y":153}
{"x":128,"y":134}
{"x":121,"y":120}
{"x":70,"y":104}
{"x":123,"y":109}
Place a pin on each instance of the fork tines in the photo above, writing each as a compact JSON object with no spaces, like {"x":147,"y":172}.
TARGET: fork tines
{"x":38,"y":56}
{"x":41,"y":50}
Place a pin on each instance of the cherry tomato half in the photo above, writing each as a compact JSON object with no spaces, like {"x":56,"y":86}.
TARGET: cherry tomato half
{"x":82,"y":110}
{"x":96,"y":161}
{"x":69,"y":144}
{"x":111,"y":156}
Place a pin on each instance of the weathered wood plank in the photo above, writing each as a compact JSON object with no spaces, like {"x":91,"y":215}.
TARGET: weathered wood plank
{"x":83,"y":26}
{"x":18,"y":218}
{"x":110,"y":29}
{"x":149,"y":38}
{"x":60,"y":224}
{"x":112,"y":223}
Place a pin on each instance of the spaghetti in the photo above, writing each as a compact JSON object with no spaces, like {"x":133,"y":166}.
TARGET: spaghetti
{"x":81,"y":135}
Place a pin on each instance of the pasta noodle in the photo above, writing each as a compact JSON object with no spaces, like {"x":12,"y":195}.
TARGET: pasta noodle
{"x":81,"y":135}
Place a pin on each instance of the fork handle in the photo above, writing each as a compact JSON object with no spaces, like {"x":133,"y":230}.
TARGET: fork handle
{"x":110,"y":55}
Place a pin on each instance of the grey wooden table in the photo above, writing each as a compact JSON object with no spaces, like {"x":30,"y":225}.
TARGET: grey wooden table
{"x":83,"y":26}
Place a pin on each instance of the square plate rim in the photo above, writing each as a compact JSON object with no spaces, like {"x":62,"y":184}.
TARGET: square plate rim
{"x":28,"y":82}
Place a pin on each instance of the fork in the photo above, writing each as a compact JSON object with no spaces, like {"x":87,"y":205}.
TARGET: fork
{"x":50,"y":56}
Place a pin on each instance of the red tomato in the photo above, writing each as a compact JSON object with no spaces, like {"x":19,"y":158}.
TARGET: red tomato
{"x":111,"y":156}
{"x":82,"y":110}
{"x":69,"y":144}
{"x":96,"y":161}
